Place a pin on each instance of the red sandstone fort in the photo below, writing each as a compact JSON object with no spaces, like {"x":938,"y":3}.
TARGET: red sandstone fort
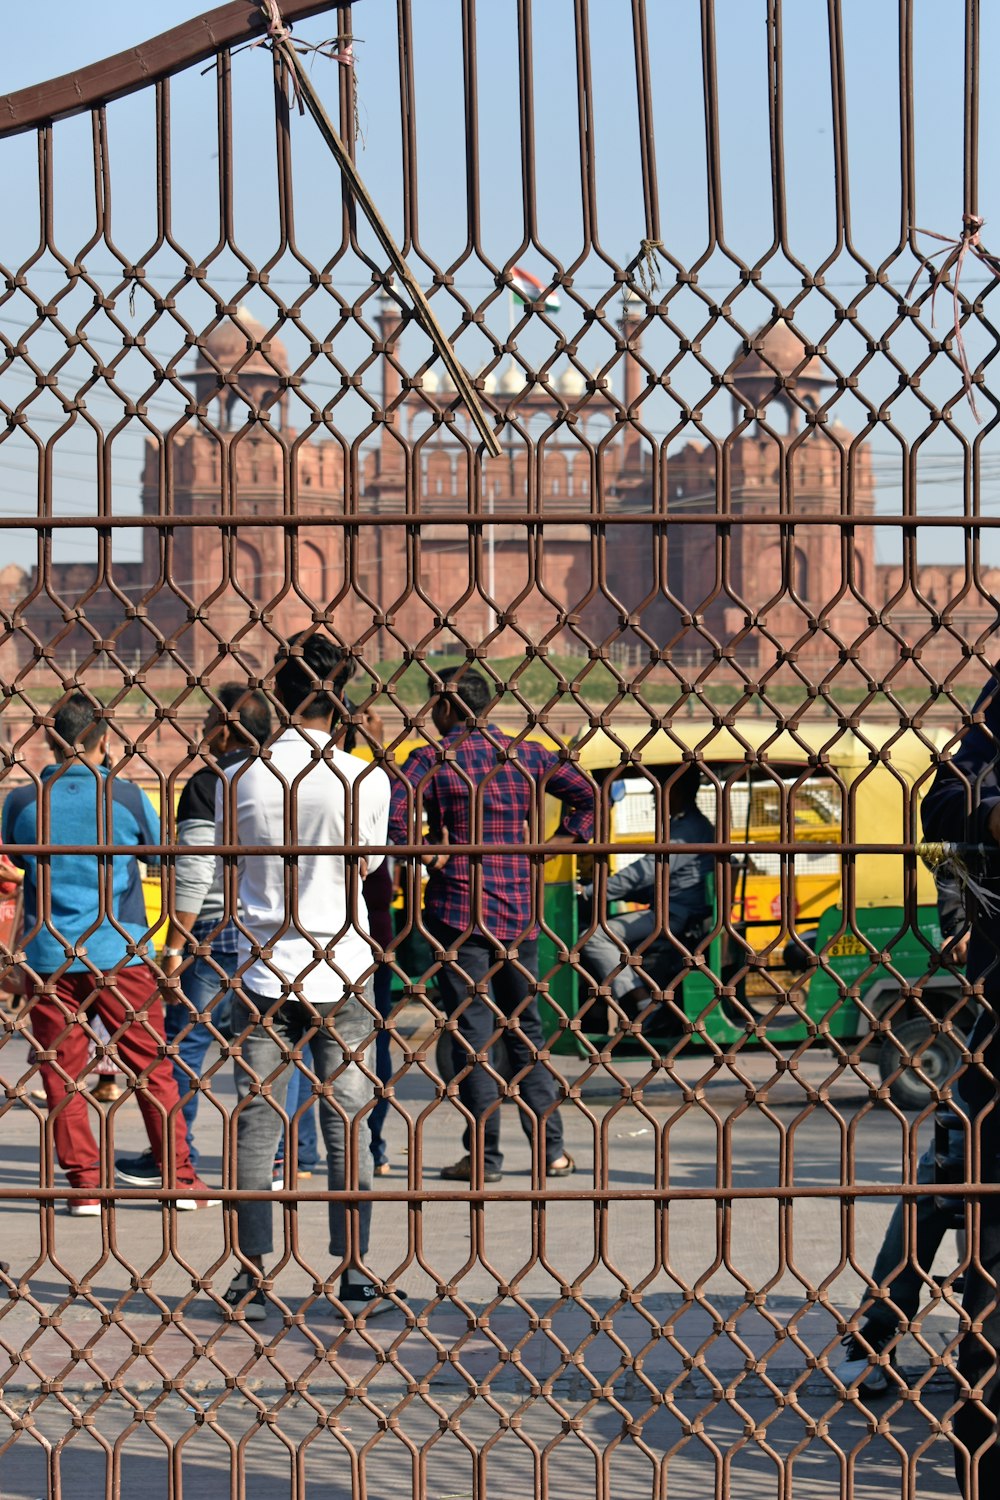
{"x":216,"y":599}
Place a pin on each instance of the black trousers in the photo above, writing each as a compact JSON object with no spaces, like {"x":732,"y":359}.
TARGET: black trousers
{"x":977,"y":1459}
{"x":476,"y":957}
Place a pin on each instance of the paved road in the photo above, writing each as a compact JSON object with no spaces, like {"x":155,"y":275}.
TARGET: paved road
{"x":522,"y":1357}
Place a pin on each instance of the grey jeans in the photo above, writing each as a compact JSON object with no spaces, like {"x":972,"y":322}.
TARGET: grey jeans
{"x":265,"y":1055}
{"x":602,"y":954}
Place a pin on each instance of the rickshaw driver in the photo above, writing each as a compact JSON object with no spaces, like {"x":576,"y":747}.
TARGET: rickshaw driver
{"x":616,"y":940}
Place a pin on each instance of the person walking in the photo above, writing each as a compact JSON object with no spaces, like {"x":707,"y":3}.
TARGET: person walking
{"x":482,"y":910}
{"x":86,"y":943}
{"x":869,"y":1350}
{"x":378,"y":900}
{"x":963,"y":807}
{"x":237,"y":725}
{"x":305,"y":961}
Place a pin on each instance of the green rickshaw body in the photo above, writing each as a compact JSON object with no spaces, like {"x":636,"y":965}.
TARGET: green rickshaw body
{"x":810,"y":790}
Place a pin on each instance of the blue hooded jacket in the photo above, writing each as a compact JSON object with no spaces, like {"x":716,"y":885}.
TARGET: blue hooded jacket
{"x":93,"y":922}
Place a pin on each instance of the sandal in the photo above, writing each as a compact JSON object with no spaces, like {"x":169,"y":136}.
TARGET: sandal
{"x":566,"y":1170}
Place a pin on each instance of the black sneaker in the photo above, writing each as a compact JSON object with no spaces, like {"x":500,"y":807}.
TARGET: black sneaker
{"x":364,"y":1299}
{"x":139,"y":1171}
{"x":862,"y":1368}
{"x":461,"y":1171}
{"x":245,"y":1299}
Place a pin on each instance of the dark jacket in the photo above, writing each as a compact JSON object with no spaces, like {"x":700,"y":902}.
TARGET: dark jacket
{"x":957,"y":808}
{"x":950,"y":905}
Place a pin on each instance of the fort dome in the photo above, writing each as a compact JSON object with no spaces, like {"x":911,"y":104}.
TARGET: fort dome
{"x":229,"y":342}
{"x":782,"y":354}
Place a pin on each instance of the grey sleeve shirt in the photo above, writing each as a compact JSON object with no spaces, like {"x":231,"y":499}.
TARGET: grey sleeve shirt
{"x":688,"y":873}
{"x":198,"y":876}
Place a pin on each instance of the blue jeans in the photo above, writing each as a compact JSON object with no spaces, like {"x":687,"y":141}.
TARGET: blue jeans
{"x":383,"y":1065}
{"x":203,"y":988}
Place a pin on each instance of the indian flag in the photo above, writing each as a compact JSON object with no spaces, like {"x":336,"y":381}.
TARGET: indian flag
{"x":528,"y":288}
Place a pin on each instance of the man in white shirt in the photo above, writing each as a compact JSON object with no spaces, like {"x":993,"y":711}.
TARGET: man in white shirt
{"x":306,"y":963}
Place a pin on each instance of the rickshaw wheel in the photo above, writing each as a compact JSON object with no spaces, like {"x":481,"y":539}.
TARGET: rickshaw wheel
{"x":938,"y":1061}
{"x":444,"y":1059}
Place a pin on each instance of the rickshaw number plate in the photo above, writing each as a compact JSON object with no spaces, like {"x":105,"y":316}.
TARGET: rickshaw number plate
{"x":847,"y":946}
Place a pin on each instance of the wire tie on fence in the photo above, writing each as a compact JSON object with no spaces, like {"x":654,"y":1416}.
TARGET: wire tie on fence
{"x":278,"y":32}
{"x":952,"y":859}
{"x":956,"y":251}
{"x":648,"y":265}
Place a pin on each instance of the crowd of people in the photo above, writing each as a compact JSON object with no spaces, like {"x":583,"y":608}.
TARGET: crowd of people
{"x":284,"y":948}
{"x":282,"y":944}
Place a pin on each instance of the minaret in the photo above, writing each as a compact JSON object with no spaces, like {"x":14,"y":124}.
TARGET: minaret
{"x":634,"y":380}
{"x":389,"y":320}
{"x":390,"y":466}
{"x":382,"y":549}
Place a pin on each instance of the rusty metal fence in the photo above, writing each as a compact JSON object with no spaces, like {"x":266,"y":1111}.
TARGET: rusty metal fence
{"x":605,"y":383}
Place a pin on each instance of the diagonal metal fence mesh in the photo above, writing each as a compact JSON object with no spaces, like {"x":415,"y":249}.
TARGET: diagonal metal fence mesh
{"x":658,"y":898}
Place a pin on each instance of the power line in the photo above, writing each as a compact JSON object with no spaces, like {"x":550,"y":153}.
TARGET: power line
{"x":117,"y":273}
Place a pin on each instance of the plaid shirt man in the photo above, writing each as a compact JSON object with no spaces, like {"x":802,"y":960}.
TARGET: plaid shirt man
{"x":506,"y":791}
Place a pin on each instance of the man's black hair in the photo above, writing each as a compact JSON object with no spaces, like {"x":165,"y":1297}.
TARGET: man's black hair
{"x":687,"y":784}
{"x":468,"y":691}
{"x":313,"y":681}
{"x":254,"y":710}
{"x":77,"y":722}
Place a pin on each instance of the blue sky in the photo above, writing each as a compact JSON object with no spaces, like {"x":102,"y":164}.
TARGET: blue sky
{"x":72,"y":39}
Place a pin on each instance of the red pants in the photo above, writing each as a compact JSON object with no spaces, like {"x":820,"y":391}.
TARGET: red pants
{"x":55,"y":1029}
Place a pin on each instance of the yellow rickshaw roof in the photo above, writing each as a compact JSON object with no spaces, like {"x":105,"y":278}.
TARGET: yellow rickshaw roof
{"x":754,"y":740}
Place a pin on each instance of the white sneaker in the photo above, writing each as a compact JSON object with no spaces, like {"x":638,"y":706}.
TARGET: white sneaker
{"x":191,"y":1205}
{"x":84,"y":1208}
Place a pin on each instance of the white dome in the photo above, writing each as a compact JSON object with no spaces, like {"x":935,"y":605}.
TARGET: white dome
{"x":511,"y":381}
{"x":447,"y":386}
{"x":430,"y":382}
{"x":489,"y":383}
{"x":571,"y":382}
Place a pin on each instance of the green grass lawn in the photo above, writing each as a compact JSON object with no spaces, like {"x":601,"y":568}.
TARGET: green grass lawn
{"x":566,"y":684}
{"x":562,"y":681}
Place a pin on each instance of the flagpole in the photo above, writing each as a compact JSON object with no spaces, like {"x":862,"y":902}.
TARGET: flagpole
{"x":491,"y":561}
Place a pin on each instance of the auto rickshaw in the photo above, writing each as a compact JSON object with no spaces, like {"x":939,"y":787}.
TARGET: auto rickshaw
{"x":821,"y":929}
{"x":782,"y":959}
